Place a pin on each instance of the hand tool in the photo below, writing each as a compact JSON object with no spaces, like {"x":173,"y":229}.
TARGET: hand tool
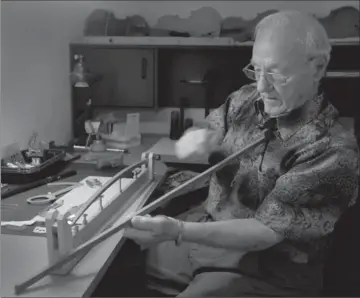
{"x":51,"y":197}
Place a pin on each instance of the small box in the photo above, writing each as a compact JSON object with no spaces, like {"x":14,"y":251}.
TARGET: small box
{"x":49,"y":164}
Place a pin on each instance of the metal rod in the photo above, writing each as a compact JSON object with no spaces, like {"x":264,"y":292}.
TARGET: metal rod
{"x":87,"y":148}
{"x":126,"y":221}
{"x":96,"y":195}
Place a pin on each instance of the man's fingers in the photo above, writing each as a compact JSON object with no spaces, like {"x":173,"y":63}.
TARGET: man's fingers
{"x":130,"y":215}
{"x":147,"y":230}
{"x":146,"y":223}
{"x":138,"y":235}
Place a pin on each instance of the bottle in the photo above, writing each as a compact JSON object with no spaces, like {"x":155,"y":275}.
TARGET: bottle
{"x":175,"y":125}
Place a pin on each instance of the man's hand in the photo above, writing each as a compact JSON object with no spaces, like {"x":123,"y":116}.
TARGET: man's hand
{"x":196,"y":142}
{"x":147,"y":230}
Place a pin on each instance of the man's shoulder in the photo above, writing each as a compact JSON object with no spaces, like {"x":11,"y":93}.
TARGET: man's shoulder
{"x":344,"y":140}
{"x":318,"y":138}
{"x":242,"y":99}
{"x":246,"y":93}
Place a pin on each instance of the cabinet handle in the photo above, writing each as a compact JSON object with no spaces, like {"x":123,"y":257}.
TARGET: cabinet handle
{"x":143,"y":68}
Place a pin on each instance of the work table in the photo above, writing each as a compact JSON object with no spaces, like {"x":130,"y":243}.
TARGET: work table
{"x":159,"y":144}
{"x":25,"y":254}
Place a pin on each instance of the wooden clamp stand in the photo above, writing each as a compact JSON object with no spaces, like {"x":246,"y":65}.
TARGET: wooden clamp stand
{"x":64,"y":234}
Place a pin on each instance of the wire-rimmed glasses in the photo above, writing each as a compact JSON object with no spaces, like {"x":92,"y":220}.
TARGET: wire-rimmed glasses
{"x":272,"y":78}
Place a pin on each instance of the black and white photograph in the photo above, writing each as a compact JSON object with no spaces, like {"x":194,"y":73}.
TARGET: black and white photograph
{"x":180,"y":148}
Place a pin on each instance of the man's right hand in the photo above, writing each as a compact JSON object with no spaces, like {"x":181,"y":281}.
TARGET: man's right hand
{"x":196,"y":142}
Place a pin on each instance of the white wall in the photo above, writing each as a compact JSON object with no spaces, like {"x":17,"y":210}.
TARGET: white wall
{"x":35,"y":94}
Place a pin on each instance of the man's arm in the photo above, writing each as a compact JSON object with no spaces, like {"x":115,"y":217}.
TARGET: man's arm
{"x":305,"y":204}
{"x":239,"y":234}
{"x":308,"y":200}
{"x":207,"y":136}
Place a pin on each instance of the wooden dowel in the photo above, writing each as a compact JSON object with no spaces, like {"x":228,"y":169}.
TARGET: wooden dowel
{"x":127,"y":221}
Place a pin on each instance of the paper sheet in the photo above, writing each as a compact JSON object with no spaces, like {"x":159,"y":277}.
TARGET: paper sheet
{"x":132,"y":128}
{"x":78,"y":196}
{"x":22,"y":223}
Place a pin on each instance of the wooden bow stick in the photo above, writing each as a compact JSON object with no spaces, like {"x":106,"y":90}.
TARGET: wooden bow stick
{"x":127,"y":221}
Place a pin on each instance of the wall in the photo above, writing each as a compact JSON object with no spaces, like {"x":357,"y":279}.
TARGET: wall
{"x":35,"y":94}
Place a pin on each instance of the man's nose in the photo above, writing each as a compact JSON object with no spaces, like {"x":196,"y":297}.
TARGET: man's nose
{"x":263,"y":85}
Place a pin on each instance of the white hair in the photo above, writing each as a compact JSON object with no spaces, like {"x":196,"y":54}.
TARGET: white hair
{"x":305,"y":28}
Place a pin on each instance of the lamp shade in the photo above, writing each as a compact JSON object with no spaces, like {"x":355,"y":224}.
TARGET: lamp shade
{"x":80,"y":77}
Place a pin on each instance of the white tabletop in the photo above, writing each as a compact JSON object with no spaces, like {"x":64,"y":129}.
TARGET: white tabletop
{"x":24,"y":256}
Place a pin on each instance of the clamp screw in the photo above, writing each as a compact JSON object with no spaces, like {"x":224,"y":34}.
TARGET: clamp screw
{"x":85,"y":220}
{"x":101,"y":205}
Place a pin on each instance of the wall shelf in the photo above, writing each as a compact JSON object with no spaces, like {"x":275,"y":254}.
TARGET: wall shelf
{"x":342,"y":74}
{"x":345,"y":41}
{"x":153,"y":41}
{"x":149,"y":73}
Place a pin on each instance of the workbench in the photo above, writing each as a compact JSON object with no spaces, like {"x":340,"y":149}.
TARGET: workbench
{"x":22,"y":256}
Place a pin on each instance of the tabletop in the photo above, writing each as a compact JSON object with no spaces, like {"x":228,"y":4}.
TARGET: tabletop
{"x":25,"y":254}
{"x":22,"y":256}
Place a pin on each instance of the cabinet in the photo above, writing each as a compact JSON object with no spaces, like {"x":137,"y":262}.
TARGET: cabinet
{"x":202,"y":77}
{"x":150,"y":72}
{"x":126,"y":75}
{"x":341,"y":83}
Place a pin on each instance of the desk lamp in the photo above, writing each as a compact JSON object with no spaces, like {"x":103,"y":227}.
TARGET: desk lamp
{"x":81,"y":78}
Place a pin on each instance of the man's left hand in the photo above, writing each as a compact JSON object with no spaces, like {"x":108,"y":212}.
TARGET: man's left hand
{"x":147,"y":230}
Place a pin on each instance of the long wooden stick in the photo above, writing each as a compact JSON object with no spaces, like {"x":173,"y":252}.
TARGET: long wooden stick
{"x":127,"y":221}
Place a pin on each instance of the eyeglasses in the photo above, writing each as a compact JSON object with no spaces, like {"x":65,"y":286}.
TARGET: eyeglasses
{"x":272,"y":78}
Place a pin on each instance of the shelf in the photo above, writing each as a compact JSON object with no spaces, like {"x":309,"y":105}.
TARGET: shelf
{"x":345,"y":41}
{"x":148,"y":41}
{"x":342,"y":74}
{"x":152,"y":41}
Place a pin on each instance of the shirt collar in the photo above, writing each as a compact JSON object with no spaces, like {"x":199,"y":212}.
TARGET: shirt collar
{"x":290,"y":124}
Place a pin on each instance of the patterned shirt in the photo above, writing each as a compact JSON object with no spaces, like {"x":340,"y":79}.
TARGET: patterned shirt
{"x":298,"y":183}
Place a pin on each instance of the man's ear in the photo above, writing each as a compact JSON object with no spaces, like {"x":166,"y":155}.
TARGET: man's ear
{"x":319,"y":65}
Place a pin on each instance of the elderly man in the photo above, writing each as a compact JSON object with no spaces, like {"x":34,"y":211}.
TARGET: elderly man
{"x":266,"y":225}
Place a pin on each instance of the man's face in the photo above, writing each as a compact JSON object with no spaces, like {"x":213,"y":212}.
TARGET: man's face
{"x":275,"y":53}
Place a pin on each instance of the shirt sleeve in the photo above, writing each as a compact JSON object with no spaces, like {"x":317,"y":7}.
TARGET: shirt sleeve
{"x":307,"y":201}
{"x":223,"y":116}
